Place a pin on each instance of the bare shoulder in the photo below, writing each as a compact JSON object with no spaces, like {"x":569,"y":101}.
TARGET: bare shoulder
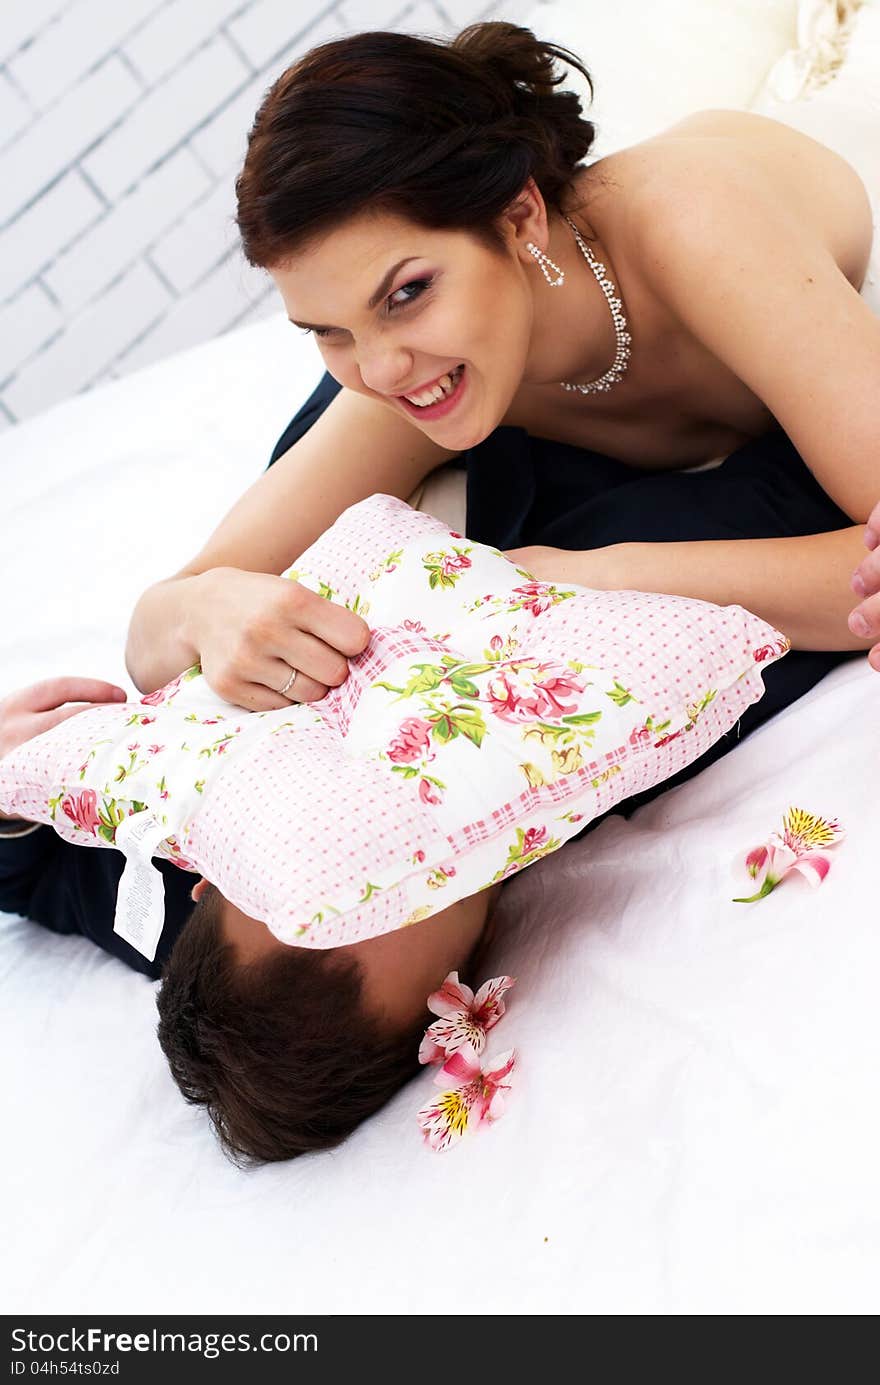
{"x":714,"y":157}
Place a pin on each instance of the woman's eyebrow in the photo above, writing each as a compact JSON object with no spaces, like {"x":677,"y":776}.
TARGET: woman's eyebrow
{"x":383,"y":288}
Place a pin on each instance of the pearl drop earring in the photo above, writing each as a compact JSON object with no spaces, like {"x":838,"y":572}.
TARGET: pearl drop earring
{"x":544,"y":261}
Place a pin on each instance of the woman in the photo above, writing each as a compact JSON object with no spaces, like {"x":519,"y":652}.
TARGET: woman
{"x":864,"y":619}
{"x":600,"y":330}
{"x":738,"y":287}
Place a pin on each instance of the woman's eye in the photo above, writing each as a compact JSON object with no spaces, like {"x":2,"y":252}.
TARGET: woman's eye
{"x":418,"y":284}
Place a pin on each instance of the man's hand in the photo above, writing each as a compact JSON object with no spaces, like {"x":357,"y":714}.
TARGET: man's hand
{"x":38,"y":708}
{"x":864,"y":620}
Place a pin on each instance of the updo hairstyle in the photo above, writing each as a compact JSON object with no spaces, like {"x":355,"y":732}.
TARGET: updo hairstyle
{"x":444,"y":133}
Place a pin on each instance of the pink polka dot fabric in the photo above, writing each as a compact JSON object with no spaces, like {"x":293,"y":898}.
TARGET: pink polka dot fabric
{"x":489,"y":719}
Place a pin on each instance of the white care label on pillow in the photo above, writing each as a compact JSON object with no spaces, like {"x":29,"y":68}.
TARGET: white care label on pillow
{"x":140,"y":900}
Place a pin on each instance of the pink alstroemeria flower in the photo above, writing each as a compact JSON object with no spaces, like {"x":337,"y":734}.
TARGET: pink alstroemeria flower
{"x":465,"y":1018}
{"x":472,"y":1094}
{"x":799,"y":848}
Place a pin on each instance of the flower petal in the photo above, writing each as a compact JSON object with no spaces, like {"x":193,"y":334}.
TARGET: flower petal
{"x":497,"y":1068}
{"x":444,"y":1119}
{"x":782,"y":858}
{"x":453,"y":1033}
{"x":488,"y":1003}
{"x":804,"y":831}
{"x":489,"y":1093}
{"x":429,"y":1050}
{"x":460,"y":1067}
{"x":757,"y":862}
{"x":496,"y":1107}
{"x":452,"y":997}
{"x":814,"y":866}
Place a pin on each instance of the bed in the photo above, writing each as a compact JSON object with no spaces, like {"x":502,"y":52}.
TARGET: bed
{"x":693,"y":1127}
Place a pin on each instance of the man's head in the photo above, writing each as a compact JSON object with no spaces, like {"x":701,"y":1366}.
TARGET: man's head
{"x":291,"y":1048}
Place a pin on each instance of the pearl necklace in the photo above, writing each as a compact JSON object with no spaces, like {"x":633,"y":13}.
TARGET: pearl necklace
{"x":624,"y":340}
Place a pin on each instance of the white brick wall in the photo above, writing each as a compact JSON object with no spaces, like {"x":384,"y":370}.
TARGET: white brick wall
{"x":127,"y":230}
{"x":14,"y":111}
{"x":94,"y":339}
{"x":26,"y":324}
{"x":122,"y":124}
{"x":204,"y":236}
{"x":36,"y":236}
{"x":19,"y":22}
{"x":165,"y":116}
{"x":58,"y":138}
{"x":65,"y":51}
{"x":174,"y":33}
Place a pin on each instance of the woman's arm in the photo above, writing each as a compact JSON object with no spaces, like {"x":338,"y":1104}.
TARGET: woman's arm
{"x":160,"y":643}
{"x":864,"y":619}
{"x":357,"y":447}
{"x":799,"y":585}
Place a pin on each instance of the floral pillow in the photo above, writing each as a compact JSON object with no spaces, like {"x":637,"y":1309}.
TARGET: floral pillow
{"x":489,"y":719}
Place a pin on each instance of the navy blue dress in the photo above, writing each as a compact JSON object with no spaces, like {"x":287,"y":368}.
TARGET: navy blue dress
{"x":520,"y":490}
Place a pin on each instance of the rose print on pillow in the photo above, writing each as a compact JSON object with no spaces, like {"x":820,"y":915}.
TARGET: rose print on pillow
{"x":444,"y":569}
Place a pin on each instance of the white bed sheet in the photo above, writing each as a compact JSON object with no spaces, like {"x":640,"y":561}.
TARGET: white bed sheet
{"x":694,"y":1125}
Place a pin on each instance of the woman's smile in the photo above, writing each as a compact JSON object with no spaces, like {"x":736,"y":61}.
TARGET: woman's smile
{"x":453,"y":386}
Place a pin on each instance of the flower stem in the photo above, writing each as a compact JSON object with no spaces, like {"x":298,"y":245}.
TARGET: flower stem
{"x":765,"y":889}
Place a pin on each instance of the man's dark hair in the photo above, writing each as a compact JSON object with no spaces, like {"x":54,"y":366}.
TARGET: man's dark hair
{"x":279,"y":1050}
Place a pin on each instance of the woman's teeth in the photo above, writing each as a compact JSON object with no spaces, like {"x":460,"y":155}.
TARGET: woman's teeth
{"x":445,"y":385}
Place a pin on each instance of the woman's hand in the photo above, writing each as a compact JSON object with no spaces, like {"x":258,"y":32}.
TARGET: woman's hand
{"x":39,"y":707}
{"x":252,"y":629}
{"x":864,"y":620}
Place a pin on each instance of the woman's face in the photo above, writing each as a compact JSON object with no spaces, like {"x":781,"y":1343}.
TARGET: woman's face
{"x":453,"y":303}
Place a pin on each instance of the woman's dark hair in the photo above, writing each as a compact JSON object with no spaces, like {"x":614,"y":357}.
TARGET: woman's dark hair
{"x":444,"y":133}
{"x":279,"y":1050}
